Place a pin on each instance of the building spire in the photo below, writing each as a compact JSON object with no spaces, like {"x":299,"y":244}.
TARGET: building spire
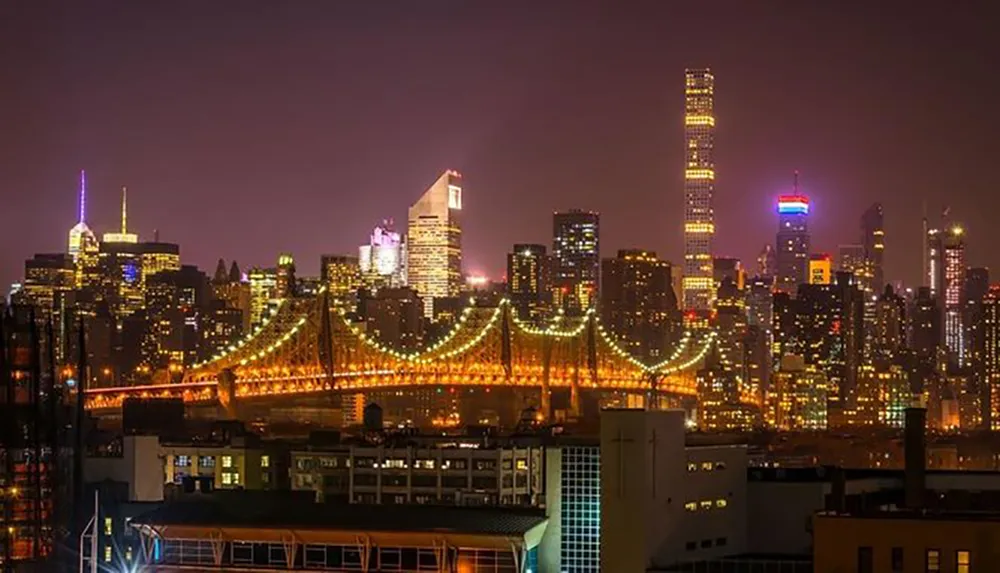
{"x":83,"y":196}
{"x":795,"y":181}
{"x":124,"y":209}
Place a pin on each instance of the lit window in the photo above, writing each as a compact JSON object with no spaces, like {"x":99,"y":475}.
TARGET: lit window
{"x":692,"y":467}
{"x":522,"y":464}
{"x":107,"y":554}
{"x":721,"y":503}
{"x":933,"y":561}
{"x":265,"y":461}
{"x":706,"y":504}
{"x":963,"y":561}
{"x":707,"y":466}
{"x":691,"y":506}
{"x":227,"y":479}
{"x":107,"y":526}
{"x":182,"y":461}
{"x":227,"y":461}
{"x":236,"y":478}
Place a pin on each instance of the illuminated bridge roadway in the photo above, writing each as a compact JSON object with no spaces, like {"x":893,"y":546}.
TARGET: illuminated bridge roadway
{"x":308,"y":348}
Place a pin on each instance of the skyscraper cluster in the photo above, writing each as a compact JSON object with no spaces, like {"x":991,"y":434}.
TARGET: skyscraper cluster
{"x":814,"y":339}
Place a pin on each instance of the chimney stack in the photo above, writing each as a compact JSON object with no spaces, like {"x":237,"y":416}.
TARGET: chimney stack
{"x":915,"y":453}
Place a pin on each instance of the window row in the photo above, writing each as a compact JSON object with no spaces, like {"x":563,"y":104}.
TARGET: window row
{"x":706,"y":504}
{"x":706,"y":466}
{"x":933,"y":561}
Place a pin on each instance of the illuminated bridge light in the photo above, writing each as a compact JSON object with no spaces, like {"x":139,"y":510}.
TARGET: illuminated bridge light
{"x":447,"y":362}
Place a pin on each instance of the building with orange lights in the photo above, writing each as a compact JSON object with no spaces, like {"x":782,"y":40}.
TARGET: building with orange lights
{"x":699,"y":189}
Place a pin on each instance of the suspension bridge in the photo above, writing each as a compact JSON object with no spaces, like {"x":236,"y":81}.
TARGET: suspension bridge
{"x":308,"y":347}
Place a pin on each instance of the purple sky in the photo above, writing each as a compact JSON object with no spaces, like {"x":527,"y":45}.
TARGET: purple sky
{"x":246,"y":128}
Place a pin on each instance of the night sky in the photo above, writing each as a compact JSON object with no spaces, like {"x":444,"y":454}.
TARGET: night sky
{"x":246,"y":128}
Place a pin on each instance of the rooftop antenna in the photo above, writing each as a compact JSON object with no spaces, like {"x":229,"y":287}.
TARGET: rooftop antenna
{"x":926,"y":261}
{"x":124,"y":210}
{"x":83,"y":195}
{"x":795,"y":181}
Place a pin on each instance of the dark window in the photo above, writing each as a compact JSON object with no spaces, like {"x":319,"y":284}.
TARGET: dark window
{"x":896,"y":560}
{"x":691,"y":546}
{"x":706,"y":543}
{"x":720,"y":541}
{"x":866,"y":560}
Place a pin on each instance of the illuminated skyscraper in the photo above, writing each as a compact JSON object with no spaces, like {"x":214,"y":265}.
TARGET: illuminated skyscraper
{"x":285,"y":276}
{"x":80,"y":236}
{"x":263,"y":294}
{"x":381,"y":260}
{"x":159,"y":257}
{"x":576,"y":253}
{"x":820,"y":269}
{"x":638,"y":302}
{"x":792,"y":243}
{"x":122,"y":236}
{"x":873,"y":240}
{"x":529,"y":281}
{"x":341,"y":274}
{"x":949,"y":261}
{"x":699,"y":186}
{"x":434,"y":241}
{"x":991,"y":355}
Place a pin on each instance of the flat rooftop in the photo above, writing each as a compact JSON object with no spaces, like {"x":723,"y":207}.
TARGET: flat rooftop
{"x":284,"y":513}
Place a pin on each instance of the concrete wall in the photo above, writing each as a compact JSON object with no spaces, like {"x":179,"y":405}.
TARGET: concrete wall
{"x":643,"y":468}
{"x":715,"y":481}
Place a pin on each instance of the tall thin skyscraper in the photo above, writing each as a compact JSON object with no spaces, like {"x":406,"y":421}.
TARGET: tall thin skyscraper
{"x":873,"y":239}
{"x":991,"y":356}
{"x":792,"y":244}
{"x":434,"y":241}
{"x":80,"y":236}
{"x":951,"y":278}
{"x":699,"y":187}
{"x":576,"y":253}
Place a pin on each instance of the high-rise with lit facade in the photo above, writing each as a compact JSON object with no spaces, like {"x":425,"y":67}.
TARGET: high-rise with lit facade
{"x":341,"y":274}
{"x":637,"y":302}
{"x":699,"y":187}
{"x":381,"y":260}
{"x":946,"y":258}
{"x":434,"y":241}
{"x":263,"y":294}
{"x":873,"y":241}
{"x":820,"y":269}
{"x":576,"y":257}
{"x":792,"y":244}
{"x":529,"y":281}
{"x":991,"y":354}
{"x":80,"y":236}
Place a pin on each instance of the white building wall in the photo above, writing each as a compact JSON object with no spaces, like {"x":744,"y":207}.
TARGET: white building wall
{"x":140,"y":466}
{"x":714,"y":503}
{"x":643,"y":471}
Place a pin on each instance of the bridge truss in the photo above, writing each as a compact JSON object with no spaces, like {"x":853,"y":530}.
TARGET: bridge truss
{"x":308,"y":347}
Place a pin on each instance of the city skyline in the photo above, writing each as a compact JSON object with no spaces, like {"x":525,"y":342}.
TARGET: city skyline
{"x":516,"y":174}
